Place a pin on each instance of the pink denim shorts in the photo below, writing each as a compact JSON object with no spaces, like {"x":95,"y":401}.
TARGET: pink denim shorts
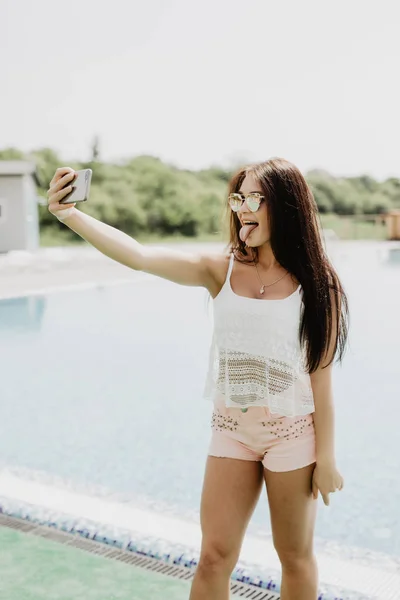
{"x":280,"y":443}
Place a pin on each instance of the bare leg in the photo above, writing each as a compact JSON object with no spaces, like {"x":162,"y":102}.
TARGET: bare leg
{"x":293,"y":512}
{"x":230,"y":494}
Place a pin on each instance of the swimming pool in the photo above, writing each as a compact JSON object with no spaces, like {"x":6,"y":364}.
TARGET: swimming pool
{"x":103,"y":388}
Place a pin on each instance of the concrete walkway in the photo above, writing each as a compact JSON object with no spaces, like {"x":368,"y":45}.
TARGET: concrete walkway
{"x":368,"y":579}
{"x":57,"y":269}
{"x":52,"y":269}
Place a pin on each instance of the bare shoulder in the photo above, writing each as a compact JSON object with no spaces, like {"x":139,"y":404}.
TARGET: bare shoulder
{"x":216,"y":265}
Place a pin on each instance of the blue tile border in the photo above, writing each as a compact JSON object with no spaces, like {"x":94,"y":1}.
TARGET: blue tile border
{"x":149,"y":547}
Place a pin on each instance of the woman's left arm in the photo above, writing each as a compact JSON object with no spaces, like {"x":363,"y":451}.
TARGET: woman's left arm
{"x":324,"y":415}
{"x":326,"y":478}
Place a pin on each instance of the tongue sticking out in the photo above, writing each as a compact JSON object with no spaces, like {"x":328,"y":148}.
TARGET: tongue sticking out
{"x":246,"y":231}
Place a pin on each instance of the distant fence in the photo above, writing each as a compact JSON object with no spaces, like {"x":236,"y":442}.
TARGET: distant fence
{"x":384,"y":226}
{"x":392,"y":219}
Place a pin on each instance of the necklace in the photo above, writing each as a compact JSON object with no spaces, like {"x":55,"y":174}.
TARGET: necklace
{"x":263,"y":286}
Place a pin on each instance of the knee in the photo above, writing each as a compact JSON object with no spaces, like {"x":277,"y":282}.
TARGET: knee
{"x":296,"y":560}
{"x":217,"y":559}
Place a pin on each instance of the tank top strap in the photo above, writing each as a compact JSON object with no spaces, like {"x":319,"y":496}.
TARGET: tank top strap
{"x":230,"y":268}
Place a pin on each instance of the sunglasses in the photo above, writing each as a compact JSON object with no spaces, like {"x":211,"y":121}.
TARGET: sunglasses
{"x":252,"y":200}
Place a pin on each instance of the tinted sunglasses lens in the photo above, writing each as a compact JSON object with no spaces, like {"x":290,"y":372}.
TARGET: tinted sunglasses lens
{"x":253,"y":202}
{"x":235,"y":202}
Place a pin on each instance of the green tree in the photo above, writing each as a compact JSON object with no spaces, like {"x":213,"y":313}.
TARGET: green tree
{"x":144,"y":195}
{"x":12,"y":154}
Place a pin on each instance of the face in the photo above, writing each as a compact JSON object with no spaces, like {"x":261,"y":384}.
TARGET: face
{"x":255,"y":226}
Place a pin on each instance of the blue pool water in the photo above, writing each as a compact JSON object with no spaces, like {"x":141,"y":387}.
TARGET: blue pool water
{"x":103,"y":388}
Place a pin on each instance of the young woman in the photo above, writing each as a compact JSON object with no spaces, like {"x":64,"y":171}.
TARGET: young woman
{"x":280,"y":320}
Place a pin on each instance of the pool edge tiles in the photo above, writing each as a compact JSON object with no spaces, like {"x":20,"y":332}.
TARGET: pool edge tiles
{"x":248,"y":578}
{"x":144,"y":547}
{"x":139,"y":530}
{"x":152,"y":534}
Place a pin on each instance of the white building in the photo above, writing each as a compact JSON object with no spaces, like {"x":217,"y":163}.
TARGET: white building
{"x":19,"y":219}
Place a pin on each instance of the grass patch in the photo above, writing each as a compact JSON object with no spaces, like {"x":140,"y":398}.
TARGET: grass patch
{"x":33,"y":568}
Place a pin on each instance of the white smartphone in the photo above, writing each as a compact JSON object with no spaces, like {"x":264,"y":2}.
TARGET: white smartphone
{"x":80,"y":187}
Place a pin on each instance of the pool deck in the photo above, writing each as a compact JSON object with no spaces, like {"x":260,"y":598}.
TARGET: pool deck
{"x":57,"y":269}
{"x":366,"y":578}
{"x":61,"y":268}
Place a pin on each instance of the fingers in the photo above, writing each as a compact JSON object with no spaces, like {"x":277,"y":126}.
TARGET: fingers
{"x":59,"y":188}
{"x":326,"y":496}
{"x":314,"y":491}
{"x":61,"y":183}
{"x":60,"y":173}
{"x":55,"y":197}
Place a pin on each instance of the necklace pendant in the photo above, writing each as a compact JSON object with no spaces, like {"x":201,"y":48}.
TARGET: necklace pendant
{"x":262,"y":289}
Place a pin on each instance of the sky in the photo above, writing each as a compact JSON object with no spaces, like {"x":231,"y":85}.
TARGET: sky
{"x":210,"y":82}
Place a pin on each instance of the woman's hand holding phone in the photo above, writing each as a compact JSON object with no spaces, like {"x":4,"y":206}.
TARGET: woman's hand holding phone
{"x":67,"y":188}
{"x":60,"y":187}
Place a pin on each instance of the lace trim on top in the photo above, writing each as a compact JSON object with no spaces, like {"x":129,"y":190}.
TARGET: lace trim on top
{"x":255,"y":357}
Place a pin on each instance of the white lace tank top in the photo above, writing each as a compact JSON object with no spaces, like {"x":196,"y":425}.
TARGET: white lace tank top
{"x":255,"y":357}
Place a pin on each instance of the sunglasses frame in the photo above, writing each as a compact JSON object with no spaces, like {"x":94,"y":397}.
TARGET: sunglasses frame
{"x":255,"y":196}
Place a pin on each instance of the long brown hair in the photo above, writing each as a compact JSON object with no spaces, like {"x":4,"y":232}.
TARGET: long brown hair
{"x":296,"y":242}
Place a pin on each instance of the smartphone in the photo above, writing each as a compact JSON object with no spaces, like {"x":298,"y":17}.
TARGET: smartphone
{"x":80,"y":187}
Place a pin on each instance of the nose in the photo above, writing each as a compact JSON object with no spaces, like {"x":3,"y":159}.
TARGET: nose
{"x":243,"y":208}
